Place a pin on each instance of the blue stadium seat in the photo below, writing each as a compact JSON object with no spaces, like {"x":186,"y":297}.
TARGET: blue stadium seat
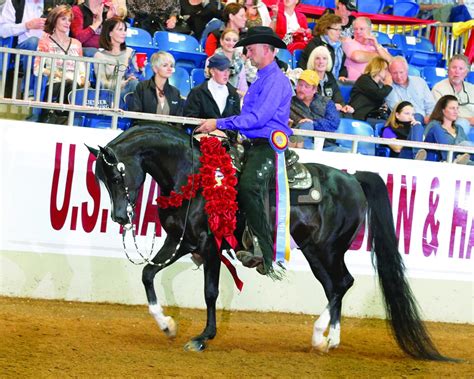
{"x":372,"y":6}
{"x":433,"y":75}
{"x":212,"y":25}
{"x":184,"y":48}
{"x":405,"y":8}
{"x":316,"y":3}
{"x":470,"y":77}
{"x":285,"y":56}
{"x":418,"y":51}
{"x":197,"y":77}
{"x":5,"y":42}
{"x":141,"y":41}
{"x":385,"y":41}
{"x":296,"y":57}
{"x":346,"y":92}
{"x":355,"y":127}
{"x":181,"y":81}
{"x":471,"y":135}
{"x":380,"y":150}
{"x":330,"y":4}
{"x":413,"y":71}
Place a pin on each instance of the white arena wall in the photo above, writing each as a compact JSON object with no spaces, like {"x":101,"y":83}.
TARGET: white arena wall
{"x":57,"y":240}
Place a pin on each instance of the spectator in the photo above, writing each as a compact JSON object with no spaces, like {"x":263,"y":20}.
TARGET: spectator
{"x":87,"y":23}
{"x":457,"y":85}
{"x":234,"y":18}
{"x":402,"y":125}
{"x":327,"y":33}
{"x":360,"y":50}
{"x":444,"y":129}
{"x":238,"y":79}
{"x":257,"y":14}
{"x":124,"y":63}
{"x":56,"y":40}
{"x":197,"y":13}
{"x":155,"y":15}
{"x":216,"y":97}
{"x":310,"y":111}
{"x":290,"y":22}
{"x":370,"y":90}
{"x":410,"y":88}
{"x":320,"y":61}
{"x":344,"y":9}
{"x":435,"y":9}
{"x":156,"y":95}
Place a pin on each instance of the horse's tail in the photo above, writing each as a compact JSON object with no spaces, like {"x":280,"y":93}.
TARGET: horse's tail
{"x":400,"y":304}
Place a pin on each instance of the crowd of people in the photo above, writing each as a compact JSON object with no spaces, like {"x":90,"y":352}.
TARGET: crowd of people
{"x":342,"y":51}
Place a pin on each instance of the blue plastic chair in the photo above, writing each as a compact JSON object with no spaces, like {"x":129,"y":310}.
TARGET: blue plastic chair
{"x":470,"y":79}
{"x":413,"y":71}
{"x":380,"y":150}
{"x":471,"y":135}
{"x":285,"y":56}
{"x":386,"y":41}
{"x":141,"y":41}
{"x":433,"y":75}
{"x":184,"y":48}
{"x":405,"y":8}
{"x":330,"y":4}
{"x":296,"y":57}
{"x":6,"y":42}
{"x":372,"y":6}
{"x":212,"y":25}
{"x":346,"y":90}
{"x":356,"y":127}
{"x":181,"y":81}
{"x":315,"y":3}
{"x":197,"y":77}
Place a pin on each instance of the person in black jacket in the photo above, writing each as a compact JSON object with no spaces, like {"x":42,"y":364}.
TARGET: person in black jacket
{"x":328,"y":34}
{"x":156,"y":95}
{"x":369,"y":91}
{"x":216,"y":97}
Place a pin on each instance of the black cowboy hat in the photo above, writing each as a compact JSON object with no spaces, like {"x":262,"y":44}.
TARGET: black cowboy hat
{"x":261,"y":34}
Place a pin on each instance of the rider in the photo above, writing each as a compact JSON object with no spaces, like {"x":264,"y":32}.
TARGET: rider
{"x":266,"y":108}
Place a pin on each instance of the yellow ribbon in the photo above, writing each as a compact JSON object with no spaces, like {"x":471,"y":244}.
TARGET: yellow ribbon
{"x":462,"y":27}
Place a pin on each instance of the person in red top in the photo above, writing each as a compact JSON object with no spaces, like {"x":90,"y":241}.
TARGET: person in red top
{"x":290,"y":21}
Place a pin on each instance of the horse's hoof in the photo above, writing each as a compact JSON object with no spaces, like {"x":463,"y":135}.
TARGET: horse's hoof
{"x":195,"y":346}
{"x":323,"y":346}
{"x":172,"y":329}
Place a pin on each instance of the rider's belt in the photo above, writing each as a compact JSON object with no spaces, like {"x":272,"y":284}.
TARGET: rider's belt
{"x":249,"y":142}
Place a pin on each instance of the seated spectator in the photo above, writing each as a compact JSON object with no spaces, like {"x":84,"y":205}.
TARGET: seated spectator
{"x":56,"y":40}
{"x":234,"y":18}
{"x":327,"y":33}
{"x":155,"y":15}
{"x":156,"y":95}
{"x":311,"y":111}
{"x":370,"y":90}
{"x":124,"y":63}
{"x":197,"y":13}
{"x":360,"y":50}
{"x":237,"y":77}
{"x":216,"y":97}
{"x":291,"y":22}
{"x":444,"y":129}
{"x":410,"y":88}
{"x":344,"y":9}
{"x":402,"y":125}
{"x":457,"y":85}
{"x":320,"y":61}
{"x":257,"y":14}
{"x":87,"y":23}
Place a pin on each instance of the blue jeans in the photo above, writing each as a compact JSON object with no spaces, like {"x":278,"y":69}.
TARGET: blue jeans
{"x":30,"y":44}
{"x":89,"y":51}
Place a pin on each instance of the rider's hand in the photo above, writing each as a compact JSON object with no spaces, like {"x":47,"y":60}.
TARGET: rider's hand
{"x":207,"y":126}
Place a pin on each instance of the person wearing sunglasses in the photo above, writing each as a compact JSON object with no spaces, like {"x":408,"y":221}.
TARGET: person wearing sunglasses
{"x":457,"y":85}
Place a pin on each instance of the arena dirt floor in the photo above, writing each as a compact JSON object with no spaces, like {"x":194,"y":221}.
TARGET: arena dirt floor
{"x":41,"y":338}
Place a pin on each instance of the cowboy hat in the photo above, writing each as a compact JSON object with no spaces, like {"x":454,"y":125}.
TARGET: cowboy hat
{"x":261,"y":34}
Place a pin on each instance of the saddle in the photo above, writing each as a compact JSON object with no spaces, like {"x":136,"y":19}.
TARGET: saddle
{"x":299,"y":177}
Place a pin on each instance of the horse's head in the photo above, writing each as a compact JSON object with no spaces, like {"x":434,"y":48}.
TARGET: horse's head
{"x":122,"y":176}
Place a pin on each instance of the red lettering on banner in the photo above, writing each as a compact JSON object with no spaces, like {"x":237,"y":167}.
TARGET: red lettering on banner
{"x":431,"y":246}
{"x":151,"y":211}
{"x":404,"y":214}
{"x":459,"y":219}
{"x":470,"y":244}
{"x":89,"y":221}
{"x":58,"y":215}
{"x":390,"y":187}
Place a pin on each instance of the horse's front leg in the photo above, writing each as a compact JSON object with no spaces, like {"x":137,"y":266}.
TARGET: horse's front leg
{"x":211,"y":292}
{"x":166,"y":256}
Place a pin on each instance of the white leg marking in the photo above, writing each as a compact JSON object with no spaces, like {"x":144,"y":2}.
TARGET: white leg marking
{"x":320,"y":326}
{"x":334,"y":336}
{"x":157,"y":312}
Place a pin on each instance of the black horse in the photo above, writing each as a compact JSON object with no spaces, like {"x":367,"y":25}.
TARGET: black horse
{"x":324,"y":232}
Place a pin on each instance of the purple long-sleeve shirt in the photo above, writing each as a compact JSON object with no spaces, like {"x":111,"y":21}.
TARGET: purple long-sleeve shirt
{"x":266,"y":106}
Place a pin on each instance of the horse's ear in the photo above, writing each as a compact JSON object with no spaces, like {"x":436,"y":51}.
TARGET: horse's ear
{"x":93,"y":151}
{"x":108,"y":154}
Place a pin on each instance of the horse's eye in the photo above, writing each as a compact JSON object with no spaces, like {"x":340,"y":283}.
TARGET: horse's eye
{"x":116,"y":180}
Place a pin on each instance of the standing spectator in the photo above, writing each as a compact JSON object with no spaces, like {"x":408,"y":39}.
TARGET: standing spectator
{"x":290,"y":21}
{"x":156,"y":95}
{"x":327,"y":33}
{"x":457,"y":85}
{"x":216,"y":97}
{"x":402,"y":125}
{"x":360,"y":50}
{"x":311,"y":111}
{"x":122,"y":58}
{"x":87,"y":23}
{"x":410,"y":88}
{"x":344,"y":9}
{"x":370,"y":90}
{"x":444,"y":129}
{"x":234,"y":18}
{"x":197,"y":13}
{"x":320,"y":61}
{"x":56,"y":40}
